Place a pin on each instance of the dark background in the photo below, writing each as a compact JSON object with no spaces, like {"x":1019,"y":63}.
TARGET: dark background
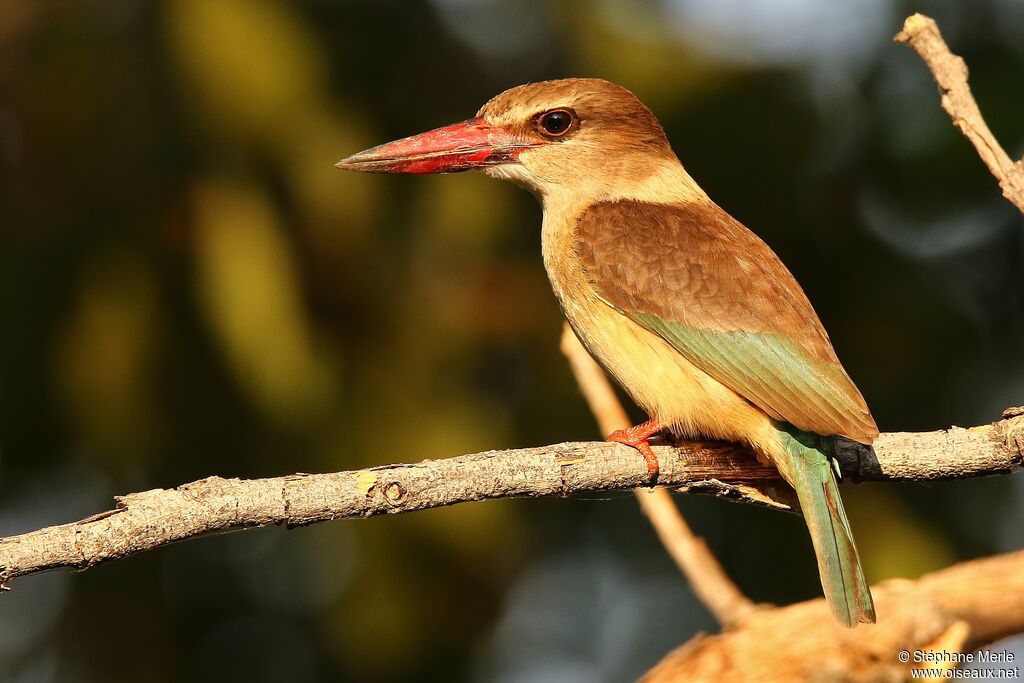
{"x":188,"y":287}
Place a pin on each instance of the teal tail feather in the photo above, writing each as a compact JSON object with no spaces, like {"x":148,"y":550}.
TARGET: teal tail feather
{"x":842,"y":577}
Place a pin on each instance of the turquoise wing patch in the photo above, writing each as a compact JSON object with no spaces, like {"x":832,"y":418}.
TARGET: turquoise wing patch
{"x":769,"y":370}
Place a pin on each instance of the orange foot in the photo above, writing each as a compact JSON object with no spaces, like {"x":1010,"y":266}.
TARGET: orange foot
{"x":637,"y":437}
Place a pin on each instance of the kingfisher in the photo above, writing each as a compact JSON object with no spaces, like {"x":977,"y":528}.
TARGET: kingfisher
{"x":692,"y":313}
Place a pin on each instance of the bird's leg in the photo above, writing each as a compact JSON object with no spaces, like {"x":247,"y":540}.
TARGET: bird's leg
{"x":636,"y":437}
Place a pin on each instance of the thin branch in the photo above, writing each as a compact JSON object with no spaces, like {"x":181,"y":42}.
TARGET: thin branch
{"x":956,"y":609}
{"x":594,"y":385}
{"x":691,"y":554}
{"x":151,"y":519}
{"x":950,"y":71}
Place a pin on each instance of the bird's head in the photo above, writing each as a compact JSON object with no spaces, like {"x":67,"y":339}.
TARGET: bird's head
{"x":579,"y":134}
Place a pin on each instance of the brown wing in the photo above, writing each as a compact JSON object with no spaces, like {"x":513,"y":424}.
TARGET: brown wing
{"x":719,"y":295}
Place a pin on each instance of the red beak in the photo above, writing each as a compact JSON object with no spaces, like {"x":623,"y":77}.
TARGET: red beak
{"x":458,"y":147}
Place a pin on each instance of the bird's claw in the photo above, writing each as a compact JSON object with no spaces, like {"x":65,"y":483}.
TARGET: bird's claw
{"x":636,"y":437}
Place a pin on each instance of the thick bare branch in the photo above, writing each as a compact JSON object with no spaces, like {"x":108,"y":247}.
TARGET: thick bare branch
{"x":151,"y":519}
{"x":955,"y":609}
{"x":950,"y":71}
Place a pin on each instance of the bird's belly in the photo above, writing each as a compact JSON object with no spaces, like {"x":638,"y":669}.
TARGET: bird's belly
{"x":662,"y":381}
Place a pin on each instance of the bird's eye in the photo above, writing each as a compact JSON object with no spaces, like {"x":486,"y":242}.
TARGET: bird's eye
{"x":555,"y":123}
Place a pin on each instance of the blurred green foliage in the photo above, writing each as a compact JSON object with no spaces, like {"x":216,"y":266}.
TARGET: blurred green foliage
{"x":188,"y":287}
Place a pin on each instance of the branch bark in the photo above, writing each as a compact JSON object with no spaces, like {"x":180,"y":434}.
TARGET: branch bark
{"x":952,"y":610}
{"x":151,"y":519}
{"x":950,"y":71}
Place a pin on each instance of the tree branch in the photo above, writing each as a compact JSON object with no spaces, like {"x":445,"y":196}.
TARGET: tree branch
{"x":950,"y":71}
{"x":952,"y":610}
{"x":151,"y":519}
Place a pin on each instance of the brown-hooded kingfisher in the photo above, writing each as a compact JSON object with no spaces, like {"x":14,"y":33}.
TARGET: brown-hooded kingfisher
{"x":693,"y":314}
